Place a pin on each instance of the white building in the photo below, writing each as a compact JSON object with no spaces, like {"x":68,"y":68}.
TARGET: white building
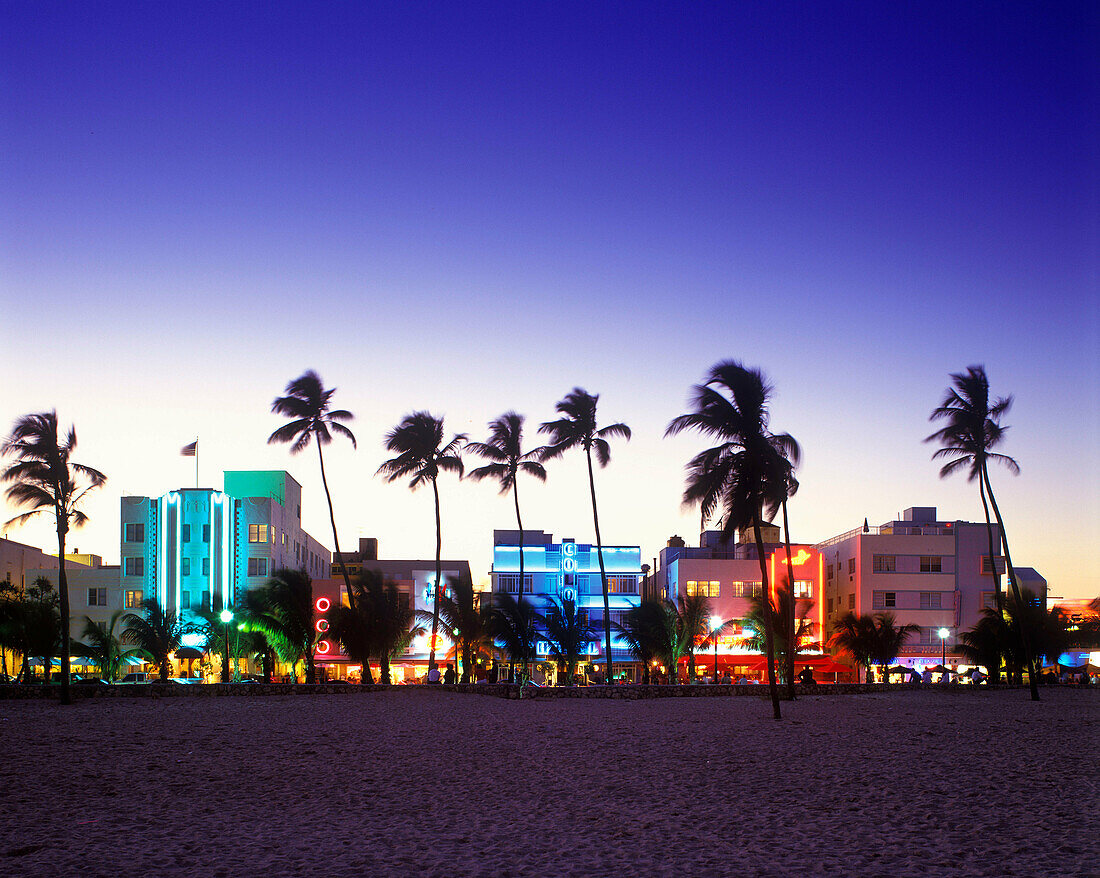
{"x":570,"y":571}
{"x":931,"y":573}
{"x":197,"y":547}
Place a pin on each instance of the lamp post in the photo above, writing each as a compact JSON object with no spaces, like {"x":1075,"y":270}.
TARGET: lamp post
{"x":715,"y":626}
{"x":226,"y":617}
{"x":943,"y":632}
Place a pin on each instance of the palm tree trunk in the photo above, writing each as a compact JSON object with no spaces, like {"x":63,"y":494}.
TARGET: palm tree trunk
{"x":769,"y":646}
{"x":994,"y":673}
{"x":790,"y":616}
{"x":1014,"y":584}
{"x":63,"y":608}
{"x":603,"y":572}
{"x":332,"y":521}
{"x":311,"y":669}
{"x":438,"y":575}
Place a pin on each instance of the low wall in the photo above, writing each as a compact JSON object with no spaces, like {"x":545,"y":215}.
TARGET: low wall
{"x":632,"y":691}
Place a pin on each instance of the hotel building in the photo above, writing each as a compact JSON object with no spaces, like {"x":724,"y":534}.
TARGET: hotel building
{"x":570,"y":571}
{"x":931,"y":573}
{"x":729,"y":576}
{"x":197,"y":547}
{"x":415,"y":581}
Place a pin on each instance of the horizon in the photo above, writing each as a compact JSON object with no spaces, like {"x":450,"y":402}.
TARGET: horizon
{"x":470,"y":211}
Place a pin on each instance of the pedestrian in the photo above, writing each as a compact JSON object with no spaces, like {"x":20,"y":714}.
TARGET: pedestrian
{"x":449,"y":677}
{"x":433,"y":674}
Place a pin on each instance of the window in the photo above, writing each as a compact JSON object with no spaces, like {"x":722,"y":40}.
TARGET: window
{"x":186,"y":568}
{"x":884,"y":564}
{"x":830,"y":610}
{"x":206,"y":533}
{"x":829,"y":572}
{"x":509,"y":582}
{"x":257,"y":566}
{"x":134,"y":567}
{"x":135,"y":533}
{"x":257,"y":533}
{"x":747,"y":589}
{"x":206,"y":600}
{"x":931,"y":600}
{"x":882,"y":600}
{"x":931,"y":564}
{"x":989,"y":600}
{"x":185,"y":533}
{"x":403,"y":599}
{"x":851,"y":566}
{"x":205,"y":566}
{"x":97,"y":597}
{"x":185,"y":600}
{"x":622,"y":585}
{"x":702,"y":588}
{"x":987,"y":568}
{"x":803,"y":588}
{"x":134,"y":598}
{"x":299,"y":512}
{"x":852,"y":601}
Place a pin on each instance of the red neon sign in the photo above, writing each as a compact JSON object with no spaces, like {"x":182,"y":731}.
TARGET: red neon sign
{"x":323,"y":604}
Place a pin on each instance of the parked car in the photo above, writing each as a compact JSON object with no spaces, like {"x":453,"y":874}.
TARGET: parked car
{"x":89,"y":681}
{"x":136,"y":677}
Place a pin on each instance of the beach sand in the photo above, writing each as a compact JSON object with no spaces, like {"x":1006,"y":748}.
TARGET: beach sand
{"x":426,"y":782}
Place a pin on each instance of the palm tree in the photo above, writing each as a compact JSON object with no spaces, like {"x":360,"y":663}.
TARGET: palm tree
{"x":988,"y":642}
{"x":514,"y":622}
{"x":857,"y":637}
{"x":45,"y":478}
{"x":745,"y":474}
{"x":418,"y":441}
{"x":791,"y":453}
{"x":568,"y":634}
{"x":889,"y":639}
{"x":643,"y":630}
{"x":288,"y":620}
{"x":103,"y":646}
{"x":972,"y":430}
{"x":463,"y":621}
{"x":353,"y":627}
{"x":694,"y":623}
{"x":156,"y":632}
{"x":783,"y":607}
{"x":40,"y":627}
{"x":508,"y":459}
{"x":307,"y":402}
{"x":716,"y":627}
{"x":577,"y":428}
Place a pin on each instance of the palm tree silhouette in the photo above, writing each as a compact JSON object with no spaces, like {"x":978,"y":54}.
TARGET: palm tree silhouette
{"x":783,"y":605}
{"x":45,"y":478}
{"x":463,"y":620}
{"x":889,"y":639}
{"x":745,"y":473}
{"x":103,"y":646}
{"x":791,"y":453}
{"x":577,"y":428}
{"x":971,"y":431}
{"x":514,"y":622}
{"x":418,"y":441}
{"x":287,"y":621}
{"x":856,"y":636}
{"x":567,"y":633}
{"x":505,"y":450}
{"x":156,"y":632}
{"x":694,"y":620}
{"x":307,"y":402}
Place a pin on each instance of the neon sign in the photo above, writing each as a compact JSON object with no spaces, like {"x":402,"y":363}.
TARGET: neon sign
{"x":800,"y":557}
{"x":323,"y":647}
{"x":569,"y":557}
{"x":323,"y":604}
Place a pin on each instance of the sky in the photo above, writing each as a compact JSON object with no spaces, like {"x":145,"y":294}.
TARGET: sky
{"x":474,"y":208}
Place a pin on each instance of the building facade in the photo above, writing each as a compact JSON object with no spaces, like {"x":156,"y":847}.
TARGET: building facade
{"x":927,"y":572}
{"x":18,"y":560}
{"x":415,"y":581}
{"x":570,"y":571}
{"x":729,"y":576}
{"x":197,"y":547}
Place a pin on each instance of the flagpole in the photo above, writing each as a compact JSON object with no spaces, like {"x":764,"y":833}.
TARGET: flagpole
{"x":196,"y":461}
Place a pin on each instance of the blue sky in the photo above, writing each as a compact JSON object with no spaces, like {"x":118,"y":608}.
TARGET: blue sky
{"x":471,"y":210}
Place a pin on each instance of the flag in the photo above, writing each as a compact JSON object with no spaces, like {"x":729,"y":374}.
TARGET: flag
{"x":190,"y":450}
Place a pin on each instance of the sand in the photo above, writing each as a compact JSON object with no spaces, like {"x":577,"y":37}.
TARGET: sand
{"x":426,"y":782}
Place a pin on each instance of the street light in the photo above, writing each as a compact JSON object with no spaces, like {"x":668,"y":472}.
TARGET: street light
{"x":715,"y":626}
{"x":226,"y":617}
{"x":943,"y":632}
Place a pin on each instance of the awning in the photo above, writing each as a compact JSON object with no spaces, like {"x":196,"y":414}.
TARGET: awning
{"x":188,"y":652}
